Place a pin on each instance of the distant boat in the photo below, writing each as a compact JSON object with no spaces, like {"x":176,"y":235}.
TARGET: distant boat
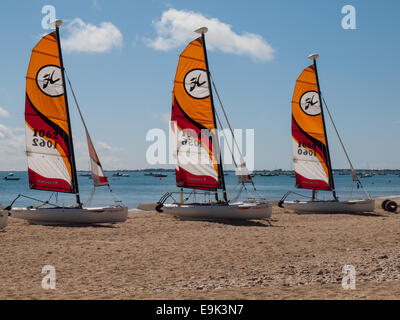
{"x":11,"y":176}
{"x":269,"y":174}
{"x":312,"y":160}
{"x":156,"y":175}
{"x":159,"y":175}
{"x":118,"y":174}
{"x":85,"y":174}
{"x":366,"y":175}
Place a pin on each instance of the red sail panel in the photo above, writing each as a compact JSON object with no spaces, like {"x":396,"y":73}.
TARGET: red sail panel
{"x":99,"y":178}
{"x":308,"y":134}
{"x":46,"y":121}
{"x":193,"y":123}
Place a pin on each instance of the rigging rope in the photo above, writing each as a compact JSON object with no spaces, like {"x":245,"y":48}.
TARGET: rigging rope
{"x":227,"y":121}
{"x":116,"y":199}
{"x":242,"y":162}
{"x":353,"y":171}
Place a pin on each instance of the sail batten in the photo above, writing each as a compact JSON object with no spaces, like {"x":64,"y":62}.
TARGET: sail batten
{"x":310,"y":147}
{"x":48,"y":147}
{"x":193,"y":123}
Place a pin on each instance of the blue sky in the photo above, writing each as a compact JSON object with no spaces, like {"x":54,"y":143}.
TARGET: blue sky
{"x":126,"y":90}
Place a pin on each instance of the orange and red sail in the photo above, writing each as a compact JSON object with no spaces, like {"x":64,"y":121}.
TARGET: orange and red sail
{"x":193,"y":122}
{"x":99,"y":178}
{"x":310,"y":149}
{"x":48,"y":148}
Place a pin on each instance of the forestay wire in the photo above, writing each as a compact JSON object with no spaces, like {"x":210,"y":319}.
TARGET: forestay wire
{"x":242,"y":162}
{"x":353,"y":171}
{"x":116,"y":198}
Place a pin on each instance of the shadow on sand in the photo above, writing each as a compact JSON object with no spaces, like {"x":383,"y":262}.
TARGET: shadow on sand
{"x":66,"y":225}
{"x":366,"y":214}
{"x":239,"y":223}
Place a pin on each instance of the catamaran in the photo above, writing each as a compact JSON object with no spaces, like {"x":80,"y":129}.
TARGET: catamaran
{"x":312,"y":162}
{"x":196,"y":148}
{"x":49,"y":143}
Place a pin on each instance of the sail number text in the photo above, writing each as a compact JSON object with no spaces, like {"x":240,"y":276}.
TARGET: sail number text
{"x":304,"y":149}
{"x":189,"y":138}
{"x":38,"y":142}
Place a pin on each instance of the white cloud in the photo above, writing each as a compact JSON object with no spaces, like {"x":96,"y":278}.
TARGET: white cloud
{"x":96,"y":5}
{"x":12,"y":148}
{"x":175,"y":28}
{"x":3,"y":113}
{"x":86,"y":37}
{"x":164,"y":117}
{"x":102,"y":145}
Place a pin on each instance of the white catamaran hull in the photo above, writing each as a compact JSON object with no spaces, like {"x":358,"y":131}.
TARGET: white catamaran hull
{"x":350,"y":206}
{"x":237,"y":210}
{"x":3,"y":218}
{"x":57,"y":216}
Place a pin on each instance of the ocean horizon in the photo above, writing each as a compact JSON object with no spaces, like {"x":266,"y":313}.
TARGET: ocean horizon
{"x":137,"y":188}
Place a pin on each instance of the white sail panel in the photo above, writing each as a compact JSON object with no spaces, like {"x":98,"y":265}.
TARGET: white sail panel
{"x":49,"y":144}
{"x":307,"y":165}
{"x":193,"y":157}
{"x":45,"y":162}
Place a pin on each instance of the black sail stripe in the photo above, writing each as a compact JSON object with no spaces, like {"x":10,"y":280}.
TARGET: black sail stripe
{"x":196,"y":124}
{"x":54,"y":126}
{"x":318,"y":143}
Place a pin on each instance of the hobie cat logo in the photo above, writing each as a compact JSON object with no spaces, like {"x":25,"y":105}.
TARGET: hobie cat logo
{"x":49,"y":81}
{"x":310,"y":104}
{"x":196,"y":84}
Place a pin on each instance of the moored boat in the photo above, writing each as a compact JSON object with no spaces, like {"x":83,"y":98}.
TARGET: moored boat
{"x":196,"y":148}
{"x":72,"y":215}
{"x":118,"y":174}
{"x":49,"y":143}
{"x":334,"y":206}
{"x":311,"y":156}
{"x":242,"y":210}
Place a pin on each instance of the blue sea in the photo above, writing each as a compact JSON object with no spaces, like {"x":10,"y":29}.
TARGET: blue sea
{"x":139,"y":188}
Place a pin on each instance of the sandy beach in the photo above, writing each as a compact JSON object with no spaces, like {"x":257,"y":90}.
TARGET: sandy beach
{"x":154,"y":256}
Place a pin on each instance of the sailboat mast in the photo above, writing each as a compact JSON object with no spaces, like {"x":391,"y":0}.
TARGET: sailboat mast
{"x":220,"y":167}
{"x":331,"y":181}
{"x":71,"y":144}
